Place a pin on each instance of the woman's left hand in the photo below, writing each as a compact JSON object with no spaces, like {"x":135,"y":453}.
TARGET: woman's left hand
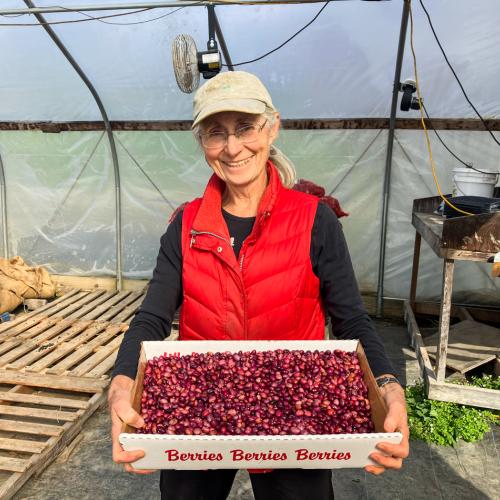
{"x":396,"y":420}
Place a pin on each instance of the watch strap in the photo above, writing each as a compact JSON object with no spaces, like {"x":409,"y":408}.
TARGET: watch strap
{"x":387,"y":380}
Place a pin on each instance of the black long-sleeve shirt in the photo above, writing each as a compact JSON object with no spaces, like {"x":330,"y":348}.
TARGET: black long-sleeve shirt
{"x":330,"y":262}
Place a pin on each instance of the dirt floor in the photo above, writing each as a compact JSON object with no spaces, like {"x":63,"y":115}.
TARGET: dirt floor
{"x":468,"y":471}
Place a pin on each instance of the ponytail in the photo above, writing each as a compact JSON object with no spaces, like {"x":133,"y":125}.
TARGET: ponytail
{"x":285,"y":167}
{"x":283,"y":164}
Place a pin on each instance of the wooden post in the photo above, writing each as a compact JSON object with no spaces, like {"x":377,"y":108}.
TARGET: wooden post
{"x":444,"y":319}
{"x":414,"y":270}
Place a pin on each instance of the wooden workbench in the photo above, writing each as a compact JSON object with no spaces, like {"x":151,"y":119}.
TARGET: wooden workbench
{"x":469,"y":238}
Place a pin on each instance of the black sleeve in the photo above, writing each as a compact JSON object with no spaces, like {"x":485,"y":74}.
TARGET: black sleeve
{"x":153,"y":321}
{"x":332,"y":264}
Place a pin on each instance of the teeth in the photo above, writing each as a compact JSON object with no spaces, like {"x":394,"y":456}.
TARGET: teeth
{"x":237,"y":163}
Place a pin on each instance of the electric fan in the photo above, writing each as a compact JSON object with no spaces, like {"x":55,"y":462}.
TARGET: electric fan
{"x":188,"y":62}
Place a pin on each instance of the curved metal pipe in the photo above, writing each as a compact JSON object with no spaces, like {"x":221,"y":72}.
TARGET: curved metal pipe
{"x":3,"y":194}
{"x":109,"y":132}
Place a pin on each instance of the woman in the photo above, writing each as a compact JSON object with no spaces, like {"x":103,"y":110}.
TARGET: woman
{"x":251,"y":259}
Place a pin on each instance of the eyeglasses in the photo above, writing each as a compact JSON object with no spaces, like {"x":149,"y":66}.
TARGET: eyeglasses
{"x":245,"y":134}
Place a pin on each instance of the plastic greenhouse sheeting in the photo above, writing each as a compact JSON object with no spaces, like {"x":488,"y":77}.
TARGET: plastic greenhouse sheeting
{"x":341,"y":66}
{"x":61,"y":210}
{"x":60,"y":187}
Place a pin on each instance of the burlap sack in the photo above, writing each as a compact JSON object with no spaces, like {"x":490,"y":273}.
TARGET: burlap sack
{"x":21,"y":281}
{"x":8,"y":301}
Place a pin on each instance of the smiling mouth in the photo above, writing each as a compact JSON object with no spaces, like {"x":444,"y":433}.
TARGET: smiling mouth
{"x":236,"y":164}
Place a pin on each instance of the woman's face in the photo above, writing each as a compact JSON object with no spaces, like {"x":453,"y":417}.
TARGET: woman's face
{"x":239,"y":164}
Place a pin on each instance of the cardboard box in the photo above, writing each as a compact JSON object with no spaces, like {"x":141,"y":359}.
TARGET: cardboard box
{"x":163,"y":451}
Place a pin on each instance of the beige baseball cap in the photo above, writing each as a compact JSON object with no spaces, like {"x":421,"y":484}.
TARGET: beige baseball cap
{"x":231,"y":91}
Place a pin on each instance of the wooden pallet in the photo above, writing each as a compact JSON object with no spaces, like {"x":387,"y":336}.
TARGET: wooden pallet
{"x":37,"y":423}
{"x":76,"y":335}
{"x":54,"y":365}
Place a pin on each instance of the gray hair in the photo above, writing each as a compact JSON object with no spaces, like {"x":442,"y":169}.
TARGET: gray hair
{"x":285,"y":167}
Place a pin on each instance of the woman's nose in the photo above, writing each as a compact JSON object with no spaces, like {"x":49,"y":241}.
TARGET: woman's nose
{"x":233,"y":145}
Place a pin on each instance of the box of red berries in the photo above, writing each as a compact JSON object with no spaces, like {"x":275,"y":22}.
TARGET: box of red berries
{"x":256,"y":405}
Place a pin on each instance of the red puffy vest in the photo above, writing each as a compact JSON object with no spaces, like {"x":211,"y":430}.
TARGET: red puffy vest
{"x":271,"y":292}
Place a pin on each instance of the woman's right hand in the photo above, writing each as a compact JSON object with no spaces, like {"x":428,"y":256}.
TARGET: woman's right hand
{"x":122,"y":412}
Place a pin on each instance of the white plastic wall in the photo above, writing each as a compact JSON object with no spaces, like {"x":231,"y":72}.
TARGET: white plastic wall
{"x":340,"y":66}
{"x":60,"y":187}
{"x":61,"y":206}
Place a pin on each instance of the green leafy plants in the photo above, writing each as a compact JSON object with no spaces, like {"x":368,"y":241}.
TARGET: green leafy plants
{"x":487,"y":382}
{"x":445,"y":423}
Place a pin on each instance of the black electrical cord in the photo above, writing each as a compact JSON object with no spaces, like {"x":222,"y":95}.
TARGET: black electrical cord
{"x":286,"y":41}
{"x":468,"y":165}
{"x":455,"y":75}
{"x":92,"y":18}
{"x":98,"y":18}
{"x":140,"y":22}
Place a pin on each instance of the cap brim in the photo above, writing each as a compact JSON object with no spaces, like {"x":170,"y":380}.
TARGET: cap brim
{"x":251,"y":106}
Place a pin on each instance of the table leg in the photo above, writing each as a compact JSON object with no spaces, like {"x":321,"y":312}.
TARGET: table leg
{"x":414,"y":270}
{"x":444,"y":319}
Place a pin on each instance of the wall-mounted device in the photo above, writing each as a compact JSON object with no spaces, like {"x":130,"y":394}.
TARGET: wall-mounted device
{"x":189,"y":63}
{"x":408,"y":101}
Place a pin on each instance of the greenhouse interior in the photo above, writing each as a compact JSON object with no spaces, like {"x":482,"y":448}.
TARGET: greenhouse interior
{"x":389,"y":108}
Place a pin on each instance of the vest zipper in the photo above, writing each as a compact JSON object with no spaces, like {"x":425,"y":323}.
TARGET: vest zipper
{"x":247,"y":242}
{"x":196,"y":233}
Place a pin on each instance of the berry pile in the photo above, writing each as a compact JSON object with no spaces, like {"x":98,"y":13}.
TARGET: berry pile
{"x":278,"y":392}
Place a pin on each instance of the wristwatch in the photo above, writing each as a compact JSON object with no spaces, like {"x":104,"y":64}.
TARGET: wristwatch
{"x":387,"y":380}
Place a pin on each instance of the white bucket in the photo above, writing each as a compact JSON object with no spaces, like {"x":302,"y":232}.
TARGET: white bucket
{"x":468,"y":182}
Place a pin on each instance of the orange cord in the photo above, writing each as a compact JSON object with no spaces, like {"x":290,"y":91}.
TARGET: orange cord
{"x":433,"y":167}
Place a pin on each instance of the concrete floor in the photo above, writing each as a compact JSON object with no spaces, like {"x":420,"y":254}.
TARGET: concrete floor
{"x":468,"y":471}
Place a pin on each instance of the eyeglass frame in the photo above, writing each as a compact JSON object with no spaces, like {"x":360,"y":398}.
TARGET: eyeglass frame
{"x":259,"y":130}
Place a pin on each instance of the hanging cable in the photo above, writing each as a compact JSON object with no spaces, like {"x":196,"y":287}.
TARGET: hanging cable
{"x":140,"y":22}
{"x":456,"y":76}
{"x":89,"y":17}
{"x":286,"y":41}
{"x":422,"y":119}
{"x":93,"y":18}
{"x":468,"y":165}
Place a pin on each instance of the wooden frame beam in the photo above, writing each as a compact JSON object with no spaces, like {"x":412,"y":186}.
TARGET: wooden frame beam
{"x":468,"y":124}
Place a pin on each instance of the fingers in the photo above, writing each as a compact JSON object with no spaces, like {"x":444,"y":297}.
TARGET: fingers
{"x":390,"y":423}
{"x":132,"y":470}
{"x":120,"y":456}
{"x":392,"y":458}
{"x":401,"y":450}
{"x":127,"y":414}
{"x":393,"y":454}
{"x":373,"y":469}
{"x":398,"y":424}
{"x":405,"y":430}
{"x":388,"y":462}
{"x":122,"y":412}
{"x":396,"y":418}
